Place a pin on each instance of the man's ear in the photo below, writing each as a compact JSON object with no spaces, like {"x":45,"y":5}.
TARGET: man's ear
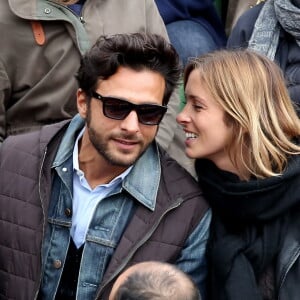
{"x":82,"y":103}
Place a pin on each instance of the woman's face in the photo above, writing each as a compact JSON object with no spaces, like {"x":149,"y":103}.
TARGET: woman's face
{"x":202,"y":119}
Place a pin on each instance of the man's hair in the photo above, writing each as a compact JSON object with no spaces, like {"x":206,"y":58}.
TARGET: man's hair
{"x":157,"y":281}
{"x":137,"y":51}
{"x":252,"y":91}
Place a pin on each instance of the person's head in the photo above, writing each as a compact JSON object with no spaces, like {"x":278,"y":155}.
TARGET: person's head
{"x":125,"y":83}
{"x":154,"y":280}
{"x":238,"y":113}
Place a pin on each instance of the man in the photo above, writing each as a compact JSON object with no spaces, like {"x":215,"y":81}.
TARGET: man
{"x":153,"y":280}
{"x":81,"y":201}
{"x":42,"y":43}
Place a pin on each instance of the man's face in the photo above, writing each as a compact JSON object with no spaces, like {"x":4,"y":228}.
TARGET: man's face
{"x":122,"y":142}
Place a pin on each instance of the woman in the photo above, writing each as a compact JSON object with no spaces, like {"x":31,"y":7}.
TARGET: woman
{"x":243,"y":130}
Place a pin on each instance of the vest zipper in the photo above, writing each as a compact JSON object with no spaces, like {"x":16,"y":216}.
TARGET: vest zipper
{"x":296,"y":256}
{"x":138,"y":245}
{"x":44,"y":223}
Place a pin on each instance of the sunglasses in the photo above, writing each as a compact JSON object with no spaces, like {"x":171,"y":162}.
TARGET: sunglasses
{"x":118,"y":109}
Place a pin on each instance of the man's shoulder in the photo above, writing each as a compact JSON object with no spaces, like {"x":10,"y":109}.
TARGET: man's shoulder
{"x":177,"y":184}
{"x":177,"y":180}
{"x":172,"y":170}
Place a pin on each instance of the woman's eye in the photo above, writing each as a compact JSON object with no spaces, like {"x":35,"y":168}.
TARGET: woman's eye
{"x":197,"y":107}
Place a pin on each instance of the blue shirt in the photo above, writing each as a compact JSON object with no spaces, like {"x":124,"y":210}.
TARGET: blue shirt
{"x":86,"y":199}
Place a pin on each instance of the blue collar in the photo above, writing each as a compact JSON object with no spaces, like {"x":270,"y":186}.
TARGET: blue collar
{"x":77,"y":7}
{"x":143,"y":180}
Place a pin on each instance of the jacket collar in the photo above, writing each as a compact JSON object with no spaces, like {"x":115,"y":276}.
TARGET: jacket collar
{"x":143,"y":180}
{"x":46,"y":10}
{"x":37,"y":9}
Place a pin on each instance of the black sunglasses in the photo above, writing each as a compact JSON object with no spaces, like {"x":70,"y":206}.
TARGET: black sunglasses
{"x":118,"y":109}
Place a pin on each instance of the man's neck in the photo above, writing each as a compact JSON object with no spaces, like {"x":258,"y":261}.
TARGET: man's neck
{"x":96,"y":169}
{"x":99,"y":175}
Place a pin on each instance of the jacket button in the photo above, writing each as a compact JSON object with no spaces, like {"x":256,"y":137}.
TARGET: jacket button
{"x":68,"y":212}
{"x":57,"y":264}
{"x":47,"y":10}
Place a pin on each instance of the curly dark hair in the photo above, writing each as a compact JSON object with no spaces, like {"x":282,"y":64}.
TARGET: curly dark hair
{"x":137,"y":51}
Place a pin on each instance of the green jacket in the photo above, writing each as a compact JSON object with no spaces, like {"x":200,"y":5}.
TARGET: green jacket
{"x":37,"y":84}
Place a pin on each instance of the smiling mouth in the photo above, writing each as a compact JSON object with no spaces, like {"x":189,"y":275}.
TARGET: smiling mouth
{"x":190,"y":135}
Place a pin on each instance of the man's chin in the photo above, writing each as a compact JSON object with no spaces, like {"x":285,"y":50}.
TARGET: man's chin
{"x":123,"y":157}
{"x":123,"y":161}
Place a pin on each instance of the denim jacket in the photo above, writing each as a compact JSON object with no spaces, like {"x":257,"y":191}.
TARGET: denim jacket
{"x":109,"y":221}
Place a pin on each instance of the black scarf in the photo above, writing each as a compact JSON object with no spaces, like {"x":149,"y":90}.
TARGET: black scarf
{"x":249,"y":223}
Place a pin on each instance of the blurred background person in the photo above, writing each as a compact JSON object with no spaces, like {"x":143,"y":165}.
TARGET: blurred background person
{"x":234,"y":9}
{"x":272,"y":28}
{"x":194,"y":26}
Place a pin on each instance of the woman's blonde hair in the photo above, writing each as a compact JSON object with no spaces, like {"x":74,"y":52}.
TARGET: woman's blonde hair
{"x":251,"y":90}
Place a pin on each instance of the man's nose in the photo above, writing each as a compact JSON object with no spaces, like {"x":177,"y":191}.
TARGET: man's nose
{"x":131,"y":122}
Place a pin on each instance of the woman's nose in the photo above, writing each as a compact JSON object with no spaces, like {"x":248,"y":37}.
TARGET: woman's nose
{"x":182,"y":117}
